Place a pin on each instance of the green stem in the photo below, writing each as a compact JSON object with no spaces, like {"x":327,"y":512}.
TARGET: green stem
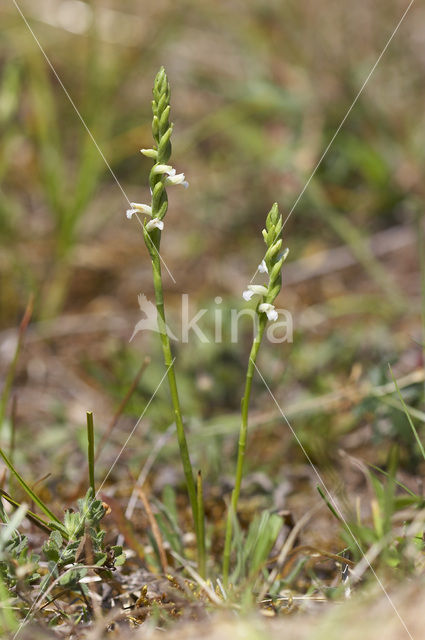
{"x":241,"y":446}
{"x":29,"y":491}
{"x":169,"y":363}
{"x":55,"y":294}
{"x":201,"y":526}
{"x":421,"y":251}
{"x":90,"y":449}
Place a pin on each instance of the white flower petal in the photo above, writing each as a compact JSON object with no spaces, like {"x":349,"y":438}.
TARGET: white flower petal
{"x":254,"y":290}
{"x":155,"y":223}
{"x":258,"y":289}
{"x":164,"y":168}
{"x":141,"y":208}
{"x":262,"y":268}
{"x":130,"y":213}
{"x":272,"y":315}
{"x":179,"y":178}
{"x":269,"y":310}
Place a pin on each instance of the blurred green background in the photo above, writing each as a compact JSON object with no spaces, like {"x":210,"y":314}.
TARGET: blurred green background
{"x":258,"y":91}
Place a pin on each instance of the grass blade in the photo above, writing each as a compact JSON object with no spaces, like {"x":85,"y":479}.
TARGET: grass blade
{"x":201,"y":526}
{"x":42,"y":506}
{"x":406,"y":411}
{"x":12,"y":368}
{"x":90,"y":449}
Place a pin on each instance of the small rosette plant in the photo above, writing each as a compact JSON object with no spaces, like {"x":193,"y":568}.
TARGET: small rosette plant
{"x":82,"y":532}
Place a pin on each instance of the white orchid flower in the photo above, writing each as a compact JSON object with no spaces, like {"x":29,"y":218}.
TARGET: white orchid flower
{"x":177,"y":179}
{"x":155,"y":223}
{"x":254,"y":290}
{"x":164,"y":168}
{"x":269,"y":310}
{"x":138,"y":208}
{"x":262,"y":268}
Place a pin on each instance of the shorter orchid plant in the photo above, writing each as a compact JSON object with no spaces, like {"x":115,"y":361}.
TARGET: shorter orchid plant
{"x":161,"y":176}
{"x":272,"y":266}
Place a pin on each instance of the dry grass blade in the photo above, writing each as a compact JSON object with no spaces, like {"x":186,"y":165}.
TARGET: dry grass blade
{"x":195,"y":575}
{"x":155,"y":529}
{"x":159,"y":444}
{"x":123,"y":524}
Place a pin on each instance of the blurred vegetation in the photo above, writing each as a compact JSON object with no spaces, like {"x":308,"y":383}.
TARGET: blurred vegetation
{"x":259,"y":90}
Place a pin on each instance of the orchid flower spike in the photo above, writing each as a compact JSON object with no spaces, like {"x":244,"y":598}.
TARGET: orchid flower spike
{"x":272,"y":262}
{"x":162,"y":173}
{"x":270,"y":265}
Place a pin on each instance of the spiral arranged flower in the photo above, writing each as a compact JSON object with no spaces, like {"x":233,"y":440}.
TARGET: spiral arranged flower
{"x":271,"y":265}
{"x":162,"y":174}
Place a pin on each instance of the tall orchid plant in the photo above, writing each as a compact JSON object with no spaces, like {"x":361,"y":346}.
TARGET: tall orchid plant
{"x":161,"y":176}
